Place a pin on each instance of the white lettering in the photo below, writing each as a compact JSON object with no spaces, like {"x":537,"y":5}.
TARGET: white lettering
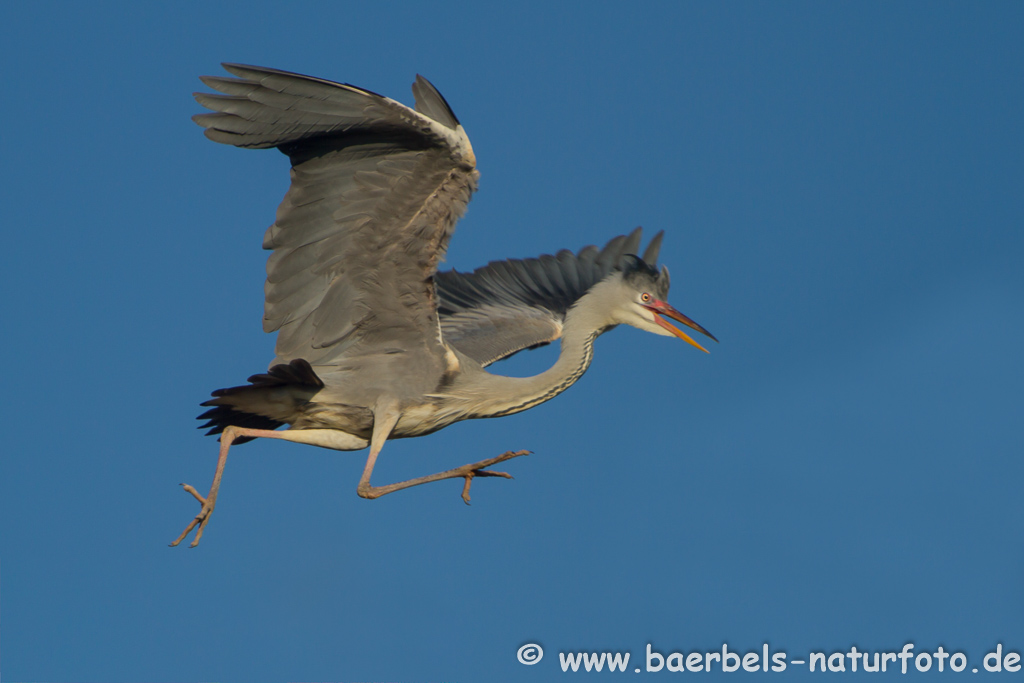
{"x":651,"y":654}
{"x":906,"y":654}
{"x":726,"y":666}
{"x":998,"y":656}
{"x":852,"y":654}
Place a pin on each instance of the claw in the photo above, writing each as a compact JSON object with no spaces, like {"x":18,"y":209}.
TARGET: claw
{"x":229,"y":434}
{"x":466,"y":472}
{"x":468,"y":476}
{"x":190,"y":489}
{"x":489,"y":473}
{"x":201,"y":519}
{"x":479,"y":473}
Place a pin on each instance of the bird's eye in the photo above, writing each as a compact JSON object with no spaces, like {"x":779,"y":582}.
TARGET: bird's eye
{"x":645,"y":297}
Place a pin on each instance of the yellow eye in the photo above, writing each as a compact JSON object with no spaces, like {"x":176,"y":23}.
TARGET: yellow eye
{"x":645,"y":297}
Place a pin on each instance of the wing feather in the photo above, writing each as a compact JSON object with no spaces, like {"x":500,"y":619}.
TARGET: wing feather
{"x":432,"y":104}
{"x":507,"y":306}
{"x":376,"y":190}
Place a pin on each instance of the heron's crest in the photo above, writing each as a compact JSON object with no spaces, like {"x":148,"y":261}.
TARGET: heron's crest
{"x":645,"y":277}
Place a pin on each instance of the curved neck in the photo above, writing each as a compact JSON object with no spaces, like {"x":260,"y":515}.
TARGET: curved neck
{"x":497,"y":395}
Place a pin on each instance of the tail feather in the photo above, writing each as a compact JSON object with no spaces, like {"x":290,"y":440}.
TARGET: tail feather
{"x":261,"y":404}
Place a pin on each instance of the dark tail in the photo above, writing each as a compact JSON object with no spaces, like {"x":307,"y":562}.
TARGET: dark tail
{"x":248,"y":406}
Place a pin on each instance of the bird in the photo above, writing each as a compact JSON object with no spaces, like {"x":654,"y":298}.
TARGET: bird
{"x":373,"y":342}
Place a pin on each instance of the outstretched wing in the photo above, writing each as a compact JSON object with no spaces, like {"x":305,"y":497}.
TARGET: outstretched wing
{"x":507,"y":306}
{"x":376,"y":190}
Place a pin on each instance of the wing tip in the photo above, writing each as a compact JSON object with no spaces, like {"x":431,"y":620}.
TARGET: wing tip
{"x":430,"y":102}
{"x":650,"y":254}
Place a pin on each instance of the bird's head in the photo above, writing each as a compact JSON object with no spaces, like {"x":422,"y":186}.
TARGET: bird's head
{"x":637,"y":296}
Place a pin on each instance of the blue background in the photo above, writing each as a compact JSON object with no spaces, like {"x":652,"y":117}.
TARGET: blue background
{"x":842,"y":188}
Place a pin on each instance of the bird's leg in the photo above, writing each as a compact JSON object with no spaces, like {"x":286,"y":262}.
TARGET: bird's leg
{"x":383,"y":424}
{"x":384,"y":420}
{"x":207,"y":503}
{"x":467,"y":472}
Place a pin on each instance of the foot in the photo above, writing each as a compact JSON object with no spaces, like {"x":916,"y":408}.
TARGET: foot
{"x":468,"y":476}
{"x":201,"y":519}
{"x":467,"y":472}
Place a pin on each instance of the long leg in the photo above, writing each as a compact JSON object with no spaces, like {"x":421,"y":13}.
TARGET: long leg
{"x":326,"y":438}
{"x":384,"y":422}
{"x":467,"y":472}
{"x":208,"y":503}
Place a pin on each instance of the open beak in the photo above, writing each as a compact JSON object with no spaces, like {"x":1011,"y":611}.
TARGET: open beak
{"x":660,"y":308}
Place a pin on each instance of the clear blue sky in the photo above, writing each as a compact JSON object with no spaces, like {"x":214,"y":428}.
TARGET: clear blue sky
{"x":842,"y":190}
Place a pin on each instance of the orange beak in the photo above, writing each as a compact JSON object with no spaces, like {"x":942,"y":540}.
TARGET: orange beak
{"x":661,"y":308}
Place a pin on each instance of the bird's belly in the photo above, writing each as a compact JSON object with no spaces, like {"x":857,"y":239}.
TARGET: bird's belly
{"x":355,"y":420}
{"x":418,"y":420}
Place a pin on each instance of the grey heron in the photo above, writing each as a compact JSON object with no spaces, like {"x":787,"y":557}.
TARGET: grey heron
{"x":373,"y":343}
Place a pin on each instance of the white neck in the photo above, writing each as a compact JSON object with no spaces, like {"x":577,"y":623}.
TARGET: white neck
{"x":496,"y":395}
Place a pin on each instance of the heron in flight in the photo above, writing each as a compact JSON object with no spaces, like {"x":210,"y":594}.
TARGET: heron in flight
{"x":373,"y":343}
